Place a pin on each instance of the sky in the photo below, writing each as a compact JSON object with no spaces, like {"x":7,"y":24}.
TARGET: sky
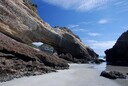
{"x":98,"y":23}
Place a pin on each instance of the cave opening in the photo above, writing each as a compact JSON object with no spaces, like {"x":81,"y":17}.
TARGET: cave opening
{"x":44,"y":47}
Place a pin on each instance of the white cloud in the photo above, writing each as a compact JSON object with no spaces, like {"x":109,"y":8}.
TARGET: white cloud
{"x":125,"y":27}
{"x":79,"y":5}
{"x":121,"y":3}
{"x":103,"y":21}
{"x":94,"y":34}
{"x":87,"y":23}
{"x":73,"y":26}
{"x":79,"y":30}
{"x":101,"y":44}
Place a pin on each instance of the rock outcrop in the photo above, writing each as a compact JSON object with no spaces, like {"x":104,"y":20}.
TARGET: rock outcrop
{"x":118,"y":55}
{"x":20,"y":22}
{"x":18,"y":59}
{"x":46,"y":48}
{"x":20,"y":26}
{"x":113,"y":75}
{"x":71,"y":44}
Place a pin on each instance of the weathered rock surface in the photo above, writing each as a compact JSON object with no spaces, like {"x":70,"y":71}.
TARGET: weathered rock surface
{"x":113,"y":75}
{"x":118,"y":55}
{"x":46,"y":48}
{"x":21,"y":23}
{"x":68,"y":57}
{"x":18,"y":59}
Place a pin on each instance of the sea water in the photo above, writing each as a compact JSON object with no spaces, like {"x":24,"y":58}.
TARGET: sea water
{"x":102,"y":66}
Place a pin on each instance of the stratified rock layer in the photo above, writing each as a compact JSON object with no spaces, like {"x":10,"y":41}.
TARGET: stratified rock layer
{"x":18,"y":59}
{"x":118,"y":55}
{"x":21,"y":23}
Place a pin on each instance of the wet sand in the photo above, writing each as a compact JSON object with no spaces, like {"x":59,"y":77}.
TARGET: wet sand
{"x":124,"y":70}
{"x":77,"y":75}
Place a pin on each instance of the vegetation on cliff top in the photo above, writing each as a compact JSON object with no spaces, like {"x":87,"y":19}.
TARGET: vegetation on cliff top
{"x":30,"y":5}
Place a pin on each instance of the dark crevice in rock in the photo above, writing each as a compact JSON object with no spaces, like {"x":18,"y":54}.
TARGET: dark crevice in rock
{"x":19,"y":56}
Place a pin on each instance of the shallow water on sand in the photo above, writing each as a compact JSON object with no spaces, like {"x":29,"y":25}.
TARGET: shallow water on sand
{"x":100,"y":67}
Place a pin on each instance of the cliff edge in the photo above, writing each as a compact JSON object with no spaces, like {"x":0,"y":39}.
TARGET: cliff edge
{"x":118,"y":54}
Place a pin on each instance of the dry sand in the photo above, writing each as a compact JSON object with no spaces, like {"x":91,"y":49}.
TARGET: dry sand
{"x":77,"y":75}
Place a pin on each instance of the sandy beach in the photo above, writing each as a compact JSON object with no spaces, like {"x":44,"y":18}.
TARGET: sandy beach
{"x":124,"y":70}
{"x":77,"y":75}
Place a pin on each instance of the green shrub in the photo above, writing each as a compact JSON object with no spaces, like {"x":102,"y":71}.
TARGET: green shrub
{"x":30,"y":5}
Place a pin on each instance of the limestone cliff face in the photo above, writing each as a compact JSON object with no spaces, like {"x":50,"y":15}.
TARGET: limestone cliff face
{"x":118,"y":55}
{"x":20,"y":22}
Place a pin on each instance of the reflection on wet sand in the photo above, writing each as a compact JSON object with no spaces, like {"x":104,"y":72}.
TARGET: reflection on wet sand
{"x":117,"y":68}
{"x":124,"y":70}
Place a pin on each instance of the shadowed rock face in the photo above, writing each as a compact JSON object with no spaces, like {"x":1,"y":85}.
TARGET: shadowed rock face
{"x":26,"y":53}
{"x":70,"y":43}
{"x":21,"y":23}
{"x":18,"y":59}
{"x":118,"y":55}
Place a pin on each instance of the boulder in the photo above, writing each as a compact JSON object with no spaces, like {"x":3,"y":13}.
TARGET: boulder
{"x":101,"y":60}
{"x":98,"y":61}
{"x":46,"y":48}
{"x":19,"y":21}
{"x":118,"y":54}
{"x":113,"y":75}
{"x":68,"y":57}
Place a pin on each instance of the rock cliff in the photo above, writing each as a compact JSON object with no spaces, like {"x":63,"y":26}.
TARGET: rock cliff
{"x":18,"y":59}
{"x":23,"y":24}
{"x":20,"y":25}
{"x":118,"y":55}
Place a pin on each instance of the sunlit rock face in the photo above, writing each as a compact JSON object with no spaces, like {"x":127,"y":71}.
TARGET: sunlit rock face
{"x":118,"y":55}
{"x":20,"y":21}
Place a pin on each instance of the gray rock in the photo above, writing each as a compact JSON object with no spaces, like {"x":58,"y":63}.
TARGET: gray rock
{"x":113,"y":75}
{"x":118,"y":54}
